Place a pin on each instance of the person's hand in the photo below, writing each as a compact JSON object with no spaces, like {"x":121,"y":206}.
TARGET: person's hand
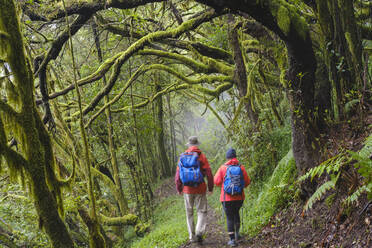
{"x":180,"y":193}
{"x":210,"y":192}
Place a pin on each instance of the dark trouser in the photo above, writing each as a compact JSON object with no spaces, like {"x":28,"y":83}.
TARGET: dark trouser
{"x":231,"y":209}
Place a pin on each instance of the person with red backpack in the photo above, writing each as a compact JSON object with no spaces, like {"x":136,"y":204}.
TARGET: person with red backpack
{"x":233,"y":178}
{"x":192,"y":167}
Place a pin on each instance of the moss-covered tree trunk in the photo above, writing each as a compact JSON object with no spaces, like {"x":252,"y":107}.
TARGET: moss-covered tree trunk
{"x":240,"y":73}
{"x":280,"y":17}
{"x":172,"y":132}
{"x":23,"y":120}
{"x":119,"y":193}
{"x":163,"y":158}
{"x":342,"y":48}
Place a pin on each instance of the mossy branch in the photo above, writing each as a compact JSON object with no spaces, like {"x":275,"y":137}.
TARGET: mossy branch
{"x":129,"y":219}
{"x":108,"y":182}
{"x":206,"y":50}
{"x":58,"y":43}
{"x":209,"y":79}
{"x":120,"y":58}
{"x":191,"y":63}
{"x":203,"y":79}
{"x":138,"y":45}
{"x":139,"y":71}
{"x":9,"y":112}
{"x":15,"y":161}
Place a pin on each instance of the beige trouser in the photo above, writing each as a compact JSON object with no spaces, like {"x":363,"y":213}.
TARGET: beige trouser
{"x":200,"y":201}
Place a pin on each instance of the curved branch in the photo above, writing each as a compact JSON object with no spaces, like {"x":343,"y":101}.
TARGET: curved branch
{"x":190,"y":83}
{"x":81,"y":8}
{"x":121,"y":57}
{"x":203,"y":79}
{"x":191,"y":63}
{"x":13,"y":158}
{"x":138,"y":45}
{"x":254,"y":29}
{"x":58,"y":43}
{"x":205,"y":50}
{"x":140,"y":70}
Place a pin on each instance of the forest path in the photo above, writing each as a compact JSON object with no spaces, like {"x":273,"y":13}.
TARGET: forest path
{"x":216,"y":235}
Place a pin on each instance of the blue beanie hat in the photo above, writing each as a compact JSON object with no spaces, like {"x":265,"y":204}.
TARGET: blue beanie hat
{"x":231,"y":153}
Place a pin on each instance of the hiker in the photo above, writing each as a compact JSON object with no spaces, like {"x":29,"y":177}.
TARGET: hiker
{"x":233,"y":178}
{"x":192,"y":167}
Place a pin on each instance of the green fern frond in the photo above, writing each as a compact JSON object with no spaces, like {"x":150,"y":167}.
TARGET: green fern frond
{"x":332,"y":165}
{"x":364,"y":166}
{"x":318,"y":194}
{"x":353,"y":197}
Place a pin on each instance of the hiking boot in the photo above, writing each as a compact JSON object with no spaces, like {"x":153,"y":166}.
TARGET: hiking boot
{"x":232,"y":243}
{"x":199,"y":239}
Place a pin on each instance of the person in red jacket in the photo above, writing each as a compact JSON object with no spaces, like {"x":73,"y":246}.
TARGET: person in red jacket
{"x":196,"y":195}
{"x":231,"y":203}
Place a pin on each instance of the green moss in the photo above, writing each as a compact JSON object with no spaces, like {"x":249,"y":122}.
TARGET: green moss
{"x":350,"y":44}
{"x":129,"y":219}
{"x":287,"y":16}
{"x":251,"y":43}
{"x":4,"y":44}
{"x":282,"y":78}
{"x":300,"y":26}
{"x":283,"y":19}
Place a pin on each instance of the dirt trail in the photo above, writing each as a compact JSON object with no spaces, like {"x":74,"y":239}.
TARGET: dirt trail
{"x":216,"y":235}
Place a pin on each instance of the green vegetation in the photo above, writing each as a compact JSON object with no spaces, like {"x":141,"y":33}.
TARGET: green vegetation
{"x":97,"y":100}
{"x":263,"y":202}
{"x":168,"y":225}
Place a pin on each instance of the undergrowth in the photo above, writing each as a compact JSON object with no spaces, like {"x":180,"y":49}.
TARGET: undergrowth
{"x":333,"y":167}
{"x":18,"y":216}
{"x":262,"y":202}
{"x":169,"y":225}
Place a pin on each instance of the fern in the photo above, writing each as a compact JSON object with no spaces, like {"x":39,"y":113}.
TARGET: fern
{"x":364,"y":166}
{"x":320,"y":192}
{"x":354,"y":196}
{"x":331,"y":165}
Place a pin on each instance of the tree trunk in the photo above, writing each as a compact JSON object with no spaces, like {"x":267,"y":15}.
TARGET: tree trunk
{"x":172,"y":136}
{"x":119,"y":194}
{"x":240,"y":73}
{"x":342,"y":48}
{"x":301,"y":73}
{"x":166,"y":170}
{"x":36,"y":150}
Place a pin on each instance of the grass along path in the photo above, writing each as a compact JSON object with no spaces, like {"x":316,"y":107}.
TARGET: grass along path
{"x":169,"y":229}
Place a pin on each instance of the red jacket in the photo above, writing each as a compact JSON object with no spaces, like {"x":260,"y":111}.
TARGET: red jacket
{"x":220,"y":176}
{"x":206,"y":171}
